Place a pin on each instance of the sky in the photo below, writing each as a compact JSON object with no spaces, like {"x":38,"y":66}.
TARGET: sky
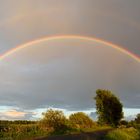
{"x":65,"y":73}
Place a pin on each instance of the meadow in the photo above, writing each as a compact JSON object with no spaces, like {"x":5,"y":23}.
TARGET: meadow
{"x":18,"y":130}
{"x":28,"y":130}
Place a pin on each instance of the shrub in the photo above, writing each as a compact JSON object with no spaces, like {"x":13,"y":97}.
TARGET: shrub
{"x":81,"y":120}
{"x":55,"y":120}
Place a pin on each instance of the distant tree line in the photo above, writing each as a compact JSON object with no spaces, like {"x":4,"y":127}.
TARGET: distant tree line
{"x":17,"y":122}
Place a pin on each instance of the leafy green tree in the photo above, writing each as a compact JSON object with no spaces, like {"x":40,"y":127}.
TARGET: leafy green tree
{"x":54,"y":119}
{"x":109,"y":107}
{"x":81,"y":120}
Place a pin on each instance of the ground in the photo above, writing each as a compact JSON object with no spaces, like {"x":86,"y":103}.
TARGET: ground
{"x":96,"y":135}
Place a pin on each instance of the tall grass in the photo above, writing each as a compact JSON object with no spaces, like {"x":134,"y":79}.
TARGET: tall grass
{"x":22,"y":131}
{"x":123,"y":134}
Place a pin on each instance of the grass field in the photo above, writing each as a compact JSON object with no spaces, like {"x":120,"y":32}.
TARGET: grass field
{"x":32,"y":131}
{"x":22,"y":131}
{"x":123,"y":134}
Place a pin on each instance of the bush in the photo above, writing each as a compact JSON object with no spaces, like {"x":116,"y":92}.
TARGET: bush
{"x":55,"y":120}
{"x":81,"y":120}
{"x":137,"y":119}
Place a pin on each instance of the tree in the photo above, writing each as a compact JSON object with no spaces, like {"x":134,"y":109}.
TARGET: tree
{"x":109,"y":107}
{"x":54,"y":119}
{"x":80,"y":120}
{"x":137,"y":119}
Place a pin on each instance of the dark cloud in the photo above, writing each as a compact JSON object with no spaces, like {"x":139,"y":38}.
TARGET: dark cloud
{"x":68,"y":76}
{"x":115,"y":21}
{"x":66,"y":73}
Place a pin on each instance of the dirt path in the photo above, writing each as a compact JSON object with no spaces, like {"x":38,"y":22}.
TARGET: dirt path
{"x":97,"y":135}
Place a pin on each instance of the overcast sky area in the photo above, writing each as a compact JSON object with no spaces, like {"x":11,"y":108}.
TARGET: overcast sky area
{"x":65,"y":73}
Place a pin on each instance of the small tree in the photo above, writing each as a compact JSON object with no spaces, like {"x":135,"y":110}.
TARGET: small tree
{"x":80,"y":120}
{"x":109,"y":108}
{"x":54,"y":119}
{"x":137,"y":119}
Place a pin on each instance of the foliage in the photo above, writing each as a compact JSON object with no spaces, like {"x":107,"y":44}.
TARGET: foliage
{"x":54,"y":119}
{"x":81,"y":120}
{"x":135,"y":124}
{"x":137,"y":119}
{"x":109,"y":108}
{"x":124,"y":123}
{"x":123,"y":134}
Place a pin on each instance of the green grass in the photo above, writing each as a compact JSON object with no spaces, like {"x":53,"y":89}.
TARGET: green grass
{"x":123,"y":134}
{"x":30,"y":131}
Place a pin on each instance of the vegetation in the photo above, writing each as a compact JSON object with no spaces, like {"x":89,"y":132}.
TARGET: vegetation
{"x":81,"y":120}
{"x":137,"y":119}
{"x":109,"y":108}
{"x":54,"y":122}
{"x":123,"y":134}
{"x":13,"y":131}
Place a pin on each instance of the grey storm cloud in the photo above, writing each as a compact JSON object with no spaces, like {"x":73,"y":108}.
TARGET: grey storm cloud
{"x":66,"y":73}
{"x":111,"y":20}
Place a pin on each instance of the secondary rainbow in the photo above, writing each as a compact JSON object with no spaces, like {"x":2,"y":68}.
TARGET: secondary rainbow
{"x":14,"y":50}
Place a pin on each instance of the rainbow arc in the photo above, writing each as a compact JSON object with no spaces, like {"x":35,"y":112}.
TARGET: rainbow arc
{"x":18,"y":48}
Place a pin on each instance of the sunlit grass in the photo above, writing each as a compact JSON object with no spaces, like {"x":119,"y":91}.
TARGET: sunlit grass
{"x":123,"y":134}
{"x":21,"y":132}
